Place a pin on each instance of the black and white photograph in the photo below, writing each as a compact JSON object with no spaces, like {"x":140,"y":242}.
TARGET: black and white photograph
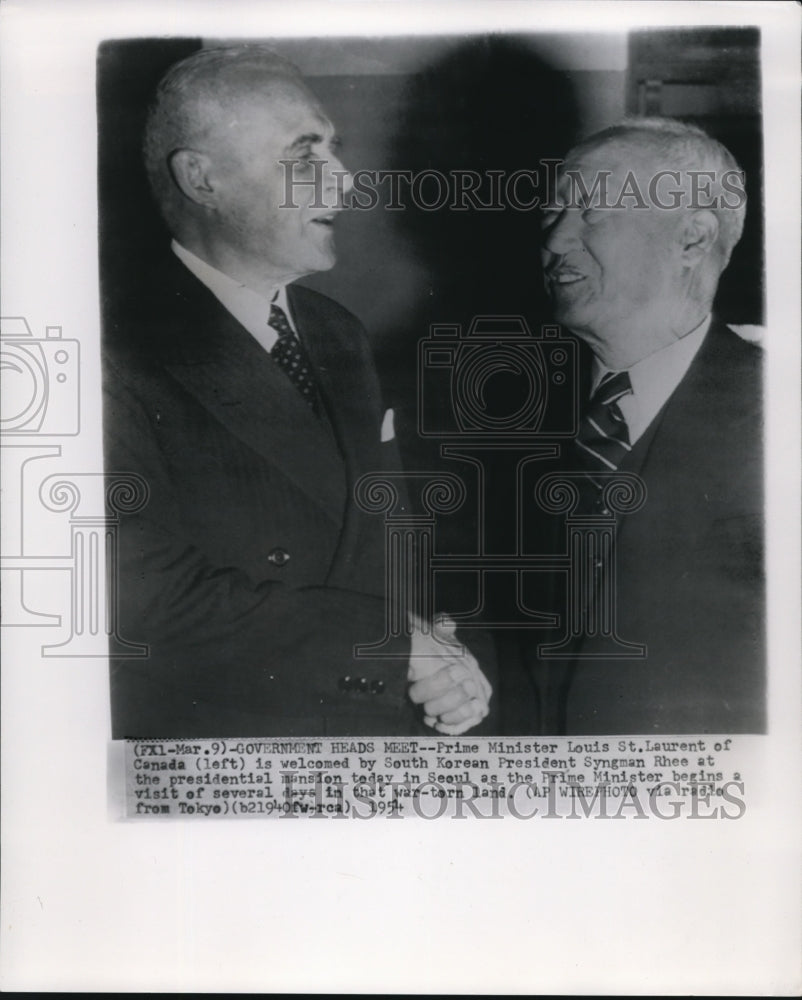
{"x":401,"y":420}
{"x":560,"y":312}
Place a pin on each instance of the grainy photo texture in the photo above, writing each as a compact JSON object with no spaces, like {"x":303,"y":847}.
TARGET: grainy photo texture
{"x":436,"y":364}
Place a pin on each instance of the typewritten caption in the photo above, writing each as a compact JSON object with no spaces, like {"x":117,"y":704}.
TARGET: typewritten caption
{"x":662,"y":778}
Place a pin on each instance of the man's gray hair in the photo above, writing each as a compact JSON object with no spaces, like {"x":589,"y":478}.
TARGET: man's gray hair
{"x":191,"y":95}
{"x":682,"y":147}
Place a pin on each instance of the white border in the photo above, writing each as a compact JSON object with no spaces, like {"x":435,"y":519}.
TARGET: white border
{"x":89,"y":904}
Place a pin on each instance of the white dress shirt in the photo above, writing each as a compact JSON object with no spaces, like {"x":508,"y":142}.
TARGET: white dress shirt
{"x":248,"y":307}
{"x":654,"y":379}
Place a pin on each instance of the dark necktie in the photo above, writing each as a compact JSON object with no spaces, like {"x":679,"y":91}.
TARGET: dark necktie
{"x":603,"y":439}
{"x":289,"y":354}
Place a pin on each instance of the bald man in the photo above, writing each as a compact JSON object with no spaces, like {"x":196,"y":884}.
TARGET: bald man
{"x":646,"y":218}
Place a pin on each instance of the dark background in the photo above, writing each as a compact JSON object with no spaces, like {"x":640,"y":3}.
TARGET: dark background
{"x":489,"y":102}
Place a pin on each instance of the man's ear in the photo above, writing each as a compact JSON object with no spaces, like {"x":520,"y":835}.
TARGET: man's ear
{"x":191,"y":172}
{"x":698,"y":236}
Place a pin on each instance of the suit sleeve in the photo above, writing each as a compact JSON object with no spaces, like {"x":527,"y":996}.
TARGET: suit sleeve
{"x":241,"y":653}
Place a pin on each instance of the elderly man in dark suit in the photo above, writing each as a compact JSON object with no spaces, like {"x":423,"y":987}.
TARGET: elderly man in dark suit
{"x":645,"y":221}
{"x":251,"y":408}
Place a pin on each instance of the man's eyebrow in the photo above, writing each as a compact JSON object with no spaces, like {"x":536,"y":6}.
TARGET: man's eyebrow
{"x":312,"y":139}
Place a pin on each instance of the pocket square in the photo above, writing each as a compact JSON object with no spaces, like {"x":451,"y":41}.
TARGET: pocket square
{"x":388,"y":426}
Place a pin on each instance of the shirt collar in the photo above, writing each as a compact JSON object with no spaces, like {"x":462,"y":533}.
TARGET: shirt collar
{"x":248,"y":307}
{"x":654,"y":378}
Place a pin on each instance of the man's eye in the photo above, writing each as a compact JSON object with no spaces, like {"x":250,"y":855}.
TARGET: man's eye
{"x":306,"y":162}
{"x":592,"y":216}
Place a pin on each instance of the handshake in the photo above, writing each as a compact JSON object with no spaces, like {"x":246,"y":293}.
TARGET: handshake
{"x":453,"y":691}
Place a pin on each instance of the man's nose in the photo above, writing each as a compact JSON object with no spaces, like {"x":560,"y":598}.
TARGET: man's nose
{"x":563,"y":233}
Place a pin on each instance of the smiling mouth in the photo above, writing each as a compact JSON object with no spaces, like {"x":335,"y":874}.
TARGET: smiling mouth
{"x":326,"y":220}
{"x":566,"y":277}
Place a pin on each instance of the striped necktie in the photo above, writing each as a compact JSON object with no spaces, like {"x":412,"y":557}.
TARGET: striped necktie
{"x":602,"y":442}
{"x":289,"y":354}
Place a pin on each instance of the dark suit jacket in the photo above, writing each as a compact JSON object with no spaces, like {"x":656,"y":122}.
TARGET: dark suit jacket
{"x":242,"y":475}
{"x":690,"y":567}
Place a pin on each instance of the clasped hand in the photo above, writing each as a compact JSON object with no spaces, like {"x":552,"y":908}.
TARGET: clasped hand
{"x":450,"y":686}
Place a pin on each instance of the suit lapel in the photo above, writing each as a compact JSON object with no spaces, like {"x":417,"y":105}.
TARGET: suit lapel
{"x":338,"y":367}
{"x":234,"y":379}
{"x":690,"y":425}
{"x":340,"y":362}
{"x":673,"y":458}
